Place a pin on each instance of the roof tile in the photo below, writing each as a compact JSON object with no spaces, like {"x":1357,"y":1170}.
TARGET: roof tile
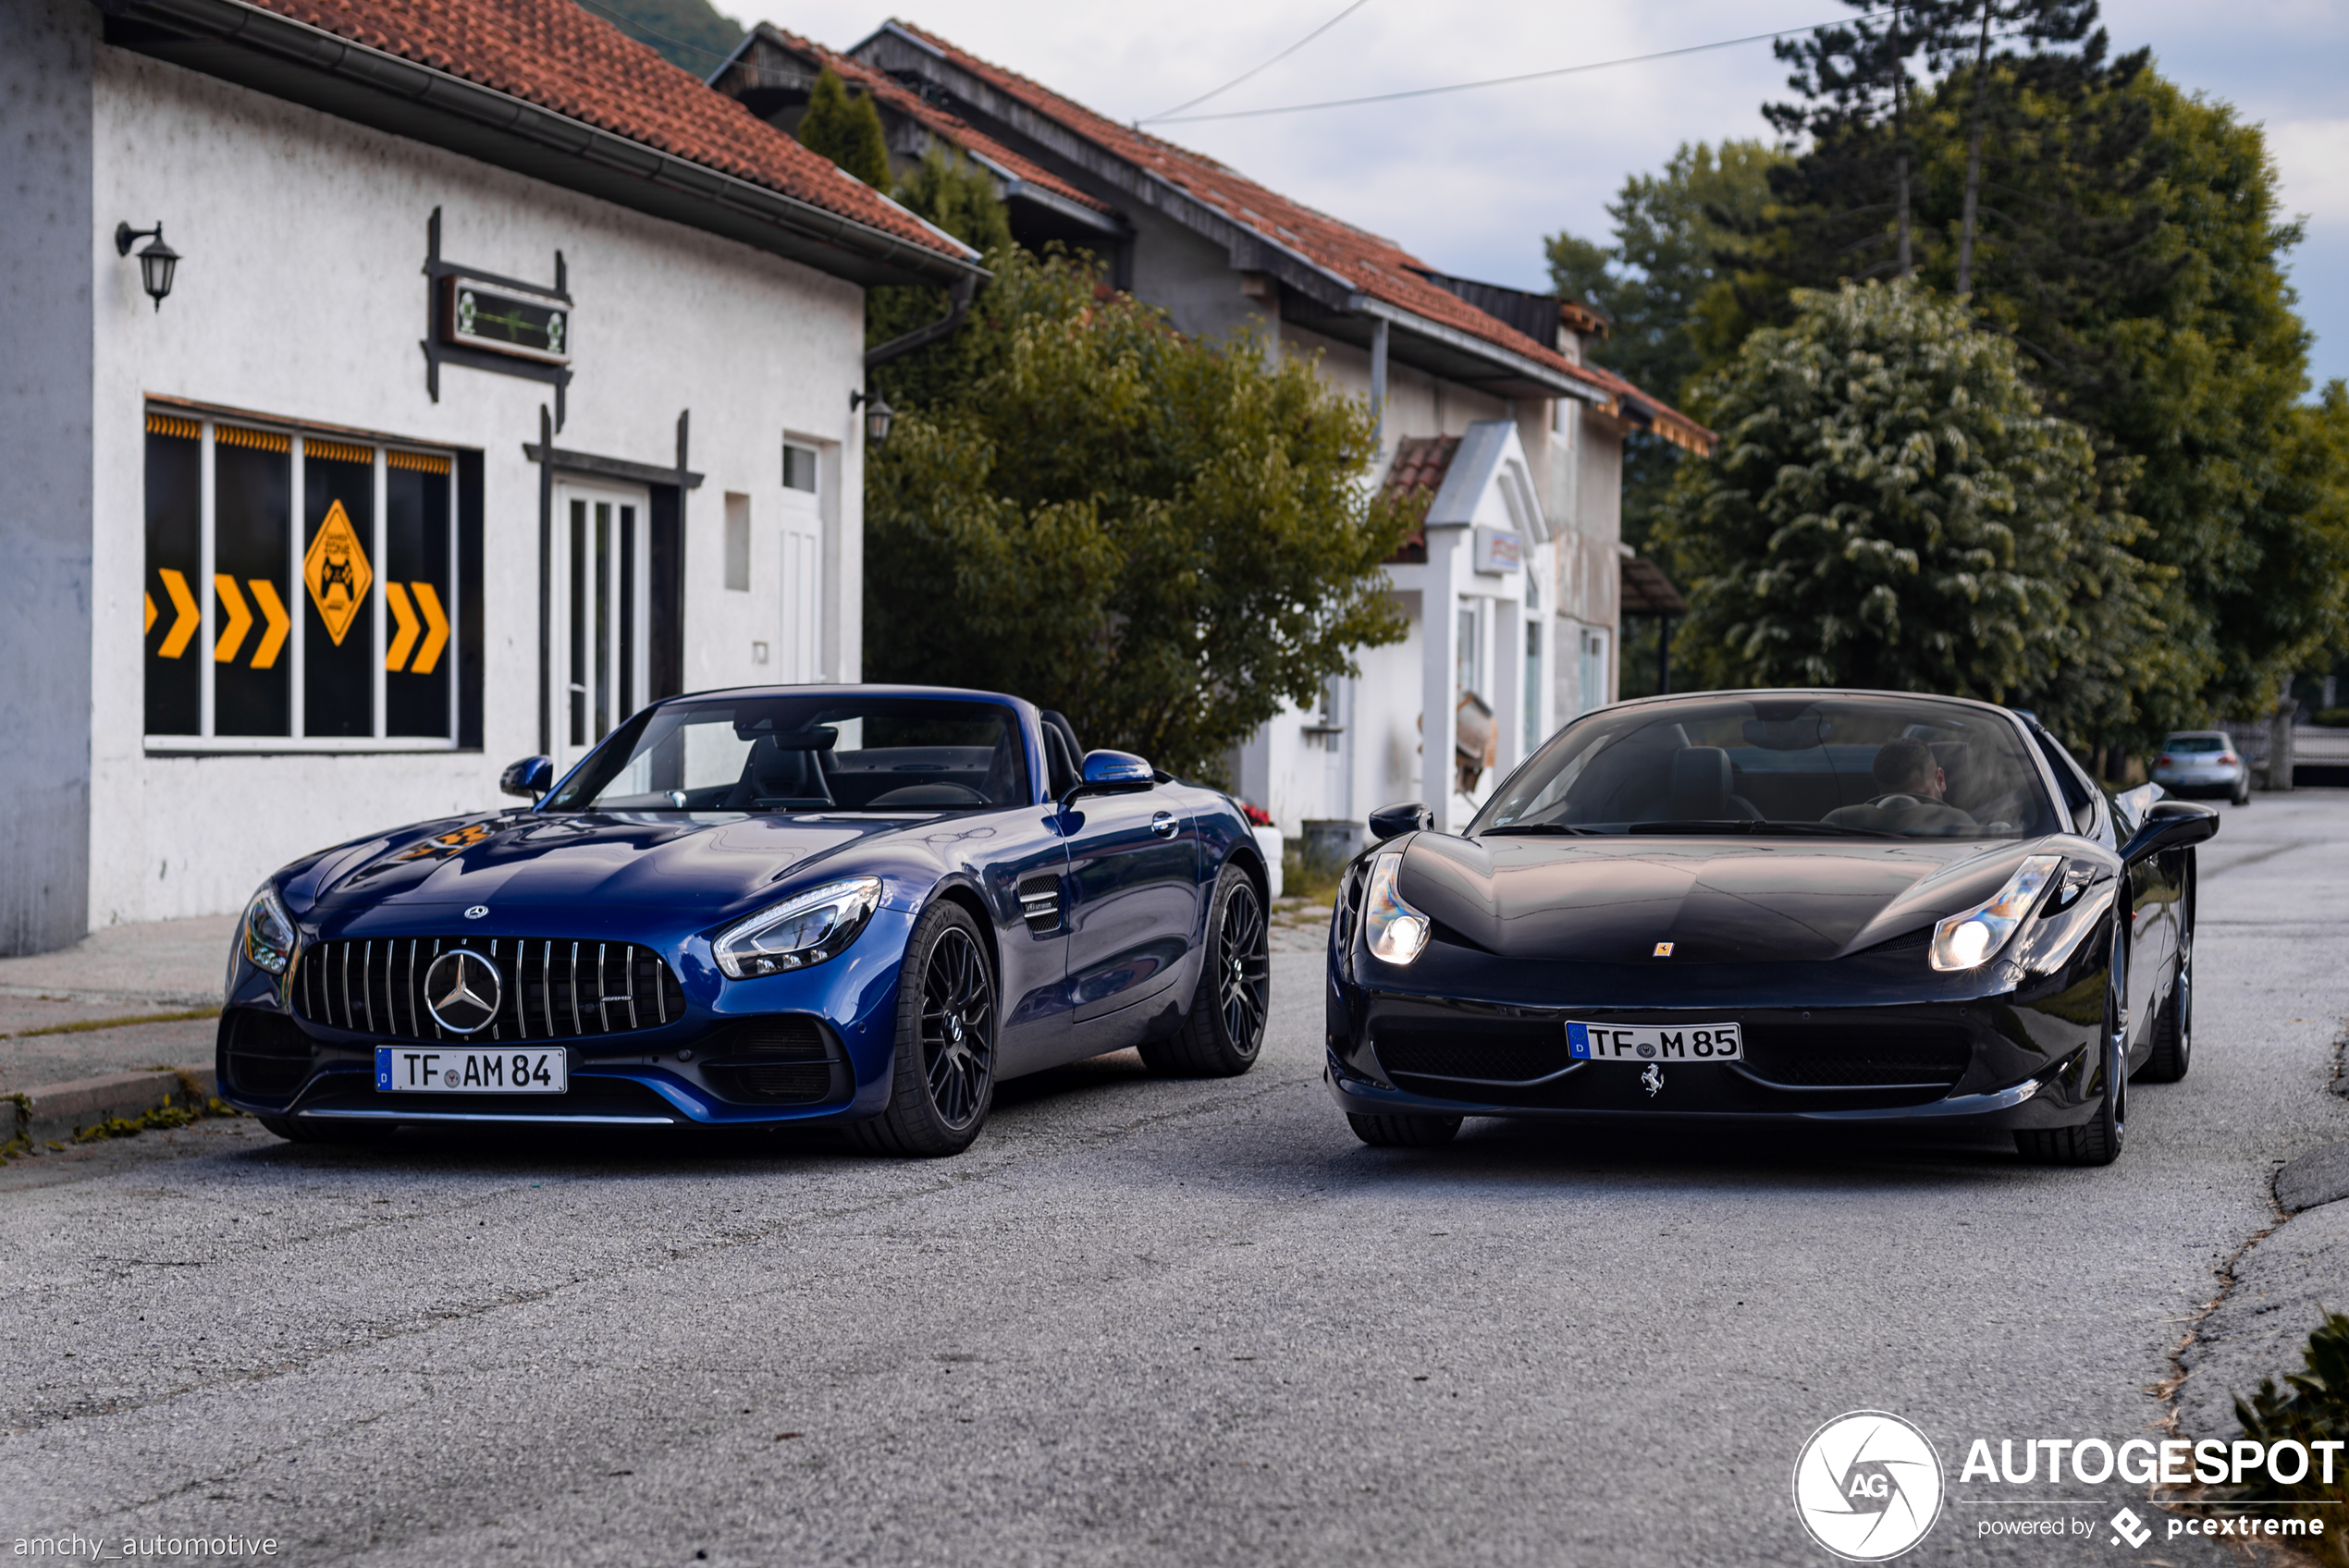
{"x":553,"y":53}
{"x":1374,"y":265}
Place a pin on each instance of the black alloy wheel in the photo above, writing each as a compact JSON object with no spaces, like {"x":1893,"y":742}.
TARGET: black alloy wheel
{"x":2173,"y":1031}
{"x":943,"y":1081}
{"x":1404,"y":1132}
{"x":2097,"y":1140}
{"x":1224,"y":1030}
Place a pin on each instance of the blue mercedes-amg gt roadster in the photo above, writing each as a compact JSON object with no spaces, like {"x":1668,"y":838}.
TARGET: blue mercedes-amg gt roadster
{"x":862,"y":905}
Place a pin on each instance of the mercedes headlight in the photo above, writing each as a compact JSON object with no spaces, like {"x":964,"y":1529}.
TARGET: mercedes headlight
{"x":1973,"y":938}
{"x":269,"y":931}
{"x":800,"y":931}
{"x":1396,"y":931}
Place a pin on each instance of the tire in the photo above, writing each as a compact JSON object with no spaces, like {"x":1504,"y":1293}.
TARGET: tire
{"x":1404,"y":1132}
{"x":942,"y":1080}
{"x":295,"y":1131}
{"x":2173,"y":1031}
{"x":1225,"y":1029}
{"x":2096,"y":1141}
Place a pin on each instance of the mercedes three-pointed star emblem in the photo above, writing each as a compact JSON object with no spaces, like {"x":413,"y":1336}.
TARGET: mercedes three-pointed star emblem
{"x":462,"y":990}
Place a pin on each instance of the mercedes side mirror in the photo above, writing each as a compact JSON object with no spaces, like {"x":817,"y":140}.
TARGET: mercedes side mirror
{"x":2171,"y":824}
{"x":529,"y":778}
{"x":1109,"y":773}
{"x":1408,"y":816}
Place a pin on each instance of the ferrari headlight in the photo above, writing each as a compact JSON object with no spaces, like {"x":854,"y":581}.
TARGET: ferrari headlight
{"x":801,"y":931}
{"x":1973,"y":938}
{"x":268,"y":931}
{"x":1396,"y":931}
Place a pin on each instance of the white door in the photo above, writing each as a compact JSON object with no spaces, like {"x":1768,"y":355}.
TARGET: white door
{"x":602,"y":603}
{"x":799,"y":640}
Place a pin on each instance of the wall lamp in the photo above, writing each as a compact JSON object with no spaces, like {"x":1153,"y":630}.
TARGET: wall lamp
{"x":156,"y":262}
{"x":877,"y":416}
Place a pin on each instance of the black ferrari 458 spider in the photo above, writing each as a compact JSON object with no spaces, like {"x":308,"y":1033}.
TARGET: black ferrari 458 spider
{"x":1801,"y":906}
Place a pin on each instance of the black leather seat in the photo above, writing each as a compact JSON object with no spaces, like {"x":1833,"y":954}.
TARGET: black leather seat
{"x":774,"y":775}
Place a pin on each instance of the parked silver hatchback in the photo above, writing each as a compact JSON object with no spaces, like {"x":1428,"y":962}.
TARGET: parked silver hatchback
{"x":2203,"y":762}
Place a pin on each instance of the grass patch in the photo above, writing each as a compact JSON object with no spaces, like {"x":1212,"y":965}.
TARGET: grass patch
{"x":88,"y":1024}
{"x":2313,"y":1406}
{"x":1314,"y":879}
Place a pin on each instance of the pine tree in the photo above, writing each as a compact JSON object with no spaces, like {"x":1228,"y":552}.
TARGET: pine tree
{"x":847,"y":129}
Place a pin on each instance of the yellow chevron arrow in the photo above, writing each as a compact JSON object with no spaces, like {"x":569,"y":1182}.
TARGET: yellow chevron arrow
{"x":151,"y":614}
{"x":232,"y":636}
{"x":435,"y":629}
{"x":276,"y":622}
{"x":396,"y":656}
{"x":187,"y":618}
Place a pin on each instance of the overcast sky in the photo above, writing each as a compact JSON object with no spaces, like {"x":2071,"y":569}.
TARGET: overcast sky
{"x":1473,"y":181}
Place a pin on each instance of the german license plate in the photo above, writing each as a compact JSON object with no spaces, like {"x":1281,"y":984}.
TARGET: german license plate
{"x":473,"y":1069}
{"x":1639,"y":1041}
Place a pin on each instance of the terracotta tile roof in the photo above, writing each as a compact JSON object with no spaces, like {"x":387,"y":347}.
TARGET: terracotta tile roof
{"x":1413,"y":476}
{"x":949,"y":128}
{"x":554,"y":55}
{"x":1420,"y":464}
{"x":1373,"y":264}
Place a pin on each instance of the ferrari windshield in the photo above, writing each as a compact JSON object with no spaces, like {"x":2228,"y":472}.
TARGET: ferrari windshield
{"x":813,"y":754}
{"x":1857,"y":766}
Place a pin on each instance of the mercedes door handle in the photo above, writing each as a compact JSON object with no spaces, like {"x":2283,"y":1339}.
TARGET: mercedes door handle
{"x":1164,"y":824}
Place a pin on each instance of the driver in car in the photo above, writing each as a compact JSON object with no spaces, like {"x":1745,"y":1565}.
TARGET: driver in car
{"x":1912,"y":786}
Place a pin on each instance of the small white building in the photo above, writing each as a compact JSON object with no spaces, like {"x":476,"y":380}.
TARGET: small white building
{"x":505,"y":381}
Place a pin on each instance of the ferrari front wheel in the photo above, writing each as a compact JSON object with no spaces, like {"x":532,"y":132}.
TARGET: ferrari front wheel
{"x":2097,"y":1140}
{"x":942,"y":1080}
{"x":1224,"y":1030}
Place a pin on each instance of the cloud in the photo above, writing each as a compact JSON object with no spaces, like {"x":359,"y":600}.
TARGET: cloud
{"x":2313,"y":157}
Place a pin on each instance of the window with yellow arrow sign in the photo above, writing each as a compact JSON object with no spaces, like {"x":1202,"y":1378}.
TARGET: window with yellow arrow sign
{"x":227,"y":662}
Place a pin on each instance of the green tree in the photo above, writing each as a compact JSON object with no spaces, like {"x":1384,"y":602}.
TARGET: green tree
{"x":1161,"y":537}
{"x":1662,"y":287}
{"x":1670,"y":303}
{"x":1890,"y":507}
{"x":950,"y":191}
{"x":847,"y":129}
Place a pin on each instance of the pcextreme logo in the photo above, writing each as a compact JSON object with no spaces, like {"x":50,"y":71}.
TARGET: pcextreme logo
{"x":1868,"y":1486}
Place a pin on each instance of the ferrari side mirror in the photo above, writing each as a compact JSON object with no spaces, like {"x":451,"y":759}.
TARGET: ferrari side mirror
{"x":1407,"y":816}
{"x":1109,"y":773}
{"x":2171,"y":824}
{"x":529,"y":778}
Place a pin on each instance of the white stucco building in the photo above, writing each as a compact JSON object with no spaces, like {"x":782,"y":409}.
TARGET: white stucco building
{"x":1485,"y":405}
{"x":504,"y":383}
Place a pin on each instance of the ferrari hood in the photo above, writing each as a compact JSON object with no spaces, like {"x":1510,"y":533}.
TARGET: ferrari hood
{"x":1717,"y":901}
{"x":712,"y":863}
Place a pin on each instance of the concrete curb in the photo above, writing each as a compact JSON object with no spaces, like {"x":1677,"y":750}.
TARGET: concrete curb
{"x":59,"y":1112}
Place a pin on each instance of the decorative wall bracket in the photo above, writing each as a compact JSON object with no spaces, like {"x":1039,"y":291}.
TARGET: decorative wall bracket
{"x":485,"y":321}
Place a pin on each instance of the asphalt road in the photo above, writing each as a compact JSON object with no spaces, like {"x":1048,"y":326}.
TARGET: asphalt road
{"x":1142,"y":1322}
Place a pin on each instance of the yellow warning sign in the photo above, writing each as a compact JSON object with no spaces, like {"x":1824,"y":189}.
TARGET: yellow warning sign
{"x":336,"y":570}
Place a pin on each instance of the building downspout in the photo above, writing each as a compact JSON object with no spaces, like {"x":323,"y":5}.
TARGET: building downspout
{"x":1378,"y":383}
{"x":959,"y":296}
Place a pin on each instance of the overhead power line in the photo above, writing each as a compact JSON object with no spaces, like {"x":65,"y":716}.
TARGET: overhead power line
{"x":1275,"y":60}
{"x":1172,"y":118}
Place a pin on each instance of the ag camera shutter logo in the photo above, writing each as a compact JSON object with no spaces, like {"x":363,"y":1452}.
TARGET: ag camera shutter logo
{"x":1868,"y":1486}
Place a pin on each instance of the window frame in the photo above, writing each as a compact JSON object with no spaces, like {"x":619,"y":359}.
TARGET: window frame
{"x":298,"y":434}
